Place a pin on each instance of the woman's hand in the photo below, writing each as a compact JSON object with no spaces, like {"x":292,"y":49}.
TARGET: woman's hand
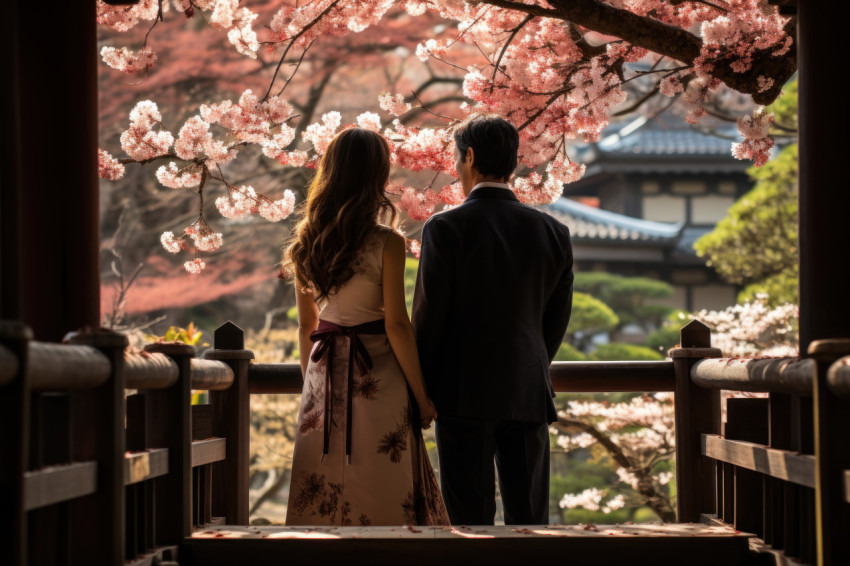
{"x":427,"y":413}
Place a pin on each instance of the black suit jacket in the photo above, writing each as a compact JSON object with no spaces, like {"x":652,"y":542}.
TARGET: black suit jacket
{"x":492,"y":302}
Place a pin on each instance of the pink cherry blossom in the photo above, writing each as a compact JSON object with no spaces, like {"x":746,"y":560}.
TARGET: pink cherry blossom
{"x":195,"y":266}
{"x":170,"y":243}
{"x":175,"y":178}
{"x":320,"y":135}
{"x":129,"y":61}
{"x":108,"y":167}
{"x":394,"y":104}
{"x":370,"y":121}
{"x":414,"y":247}
{"x":242,"y":36}
{"x":275,"y":211}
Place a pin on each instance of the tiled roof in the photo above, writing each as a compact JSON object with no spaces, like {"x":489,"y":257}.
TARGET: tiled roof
{"x":592,"y":224}
{"x":646,"y":146}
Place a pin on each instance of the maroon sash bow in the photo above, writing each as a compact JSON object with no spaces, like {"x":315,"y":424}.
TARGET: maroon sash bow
{"x":358,"y":355}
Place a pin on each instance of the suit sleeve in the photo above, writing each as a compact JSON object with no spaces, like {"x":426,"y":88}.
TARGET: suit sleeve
{"x":432,"y":301}
{"x":556,"y":318}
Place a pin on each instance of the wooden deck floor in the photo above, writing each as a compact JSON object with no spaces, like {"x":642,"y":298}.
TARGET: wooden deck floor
{"x":648,"y":543}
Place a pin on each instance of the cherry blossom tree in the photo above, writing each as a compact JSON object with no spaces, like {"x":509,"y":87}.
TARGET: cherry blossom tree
{"x":557,"y":69}
{"x":637,"y":437}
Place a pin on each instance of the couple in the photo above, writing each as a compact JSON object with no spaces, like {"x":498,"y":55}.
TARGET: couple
{"x":491,"y":306}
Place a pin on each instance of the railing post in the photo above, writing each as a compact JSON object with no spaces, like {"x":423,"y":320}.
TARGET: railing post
{"x":14,"y":441}
{"x":172,"y":429}
{"x":97,"y":433}
{"x":832,"y":457}
{"x":697,"y":413}
{"x":232,"y":420}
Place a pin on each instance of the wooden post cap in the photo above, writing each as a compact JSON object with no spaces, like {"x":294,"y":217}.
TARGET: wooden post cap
{"x":171,"y":349}
{"x":830,"y":348}
{"x":97,"y":338}
{"x":695,"y":335}
{"x":14,"y":330}
{"x":228,"y":336}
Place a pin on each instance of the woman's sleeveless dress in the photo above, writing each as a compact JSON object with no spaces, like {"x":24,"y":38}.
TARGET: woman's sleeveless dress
{"x":377,"y":471}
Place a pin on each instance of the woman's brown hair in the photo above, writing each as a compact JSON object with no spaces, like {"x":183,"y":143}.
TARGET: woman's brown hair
{"x":345,"y":202}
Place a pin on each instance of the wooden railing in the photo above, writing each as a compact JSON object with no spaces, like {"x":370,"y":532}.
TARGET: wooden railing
{"x":109,"y":460}
{"x":103,"y":458}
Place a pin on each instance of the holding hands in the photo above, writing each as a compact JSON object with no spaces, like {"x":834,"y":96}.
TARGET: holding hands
{"x":427,"y":413}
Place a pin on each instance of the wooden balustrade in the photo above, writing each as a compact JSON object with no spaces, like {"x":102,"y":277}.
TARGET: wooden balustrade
{"x":772,"y":375}
{"x":838,"y":377}
{"x":8,"y":365}
{"x":60,"y":367}
{"x":177,"y":466}
{"x":149,"y":370}
{"x":211,"y":375}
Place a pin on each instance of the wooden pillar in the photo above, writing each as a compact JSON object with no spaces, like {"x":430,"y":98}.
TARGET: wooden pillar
{"x":232,"y":419}
{"x":824,"y":198}
{"x":173,"y":430}
{"x":697,"y":413}
{"x":832,"y":457}
{"x":14,"y":442}
{"x":97,"y":434}
{"x":49,"y":208}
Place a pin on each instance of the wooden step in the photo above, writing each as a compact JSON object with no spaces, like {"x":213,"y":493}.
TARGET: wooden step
{"x":647,"y":543}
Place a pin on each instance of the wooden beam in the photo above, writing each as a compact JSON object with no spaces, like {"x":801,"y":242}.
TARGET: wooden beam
{"x":59,"y":483}
{"x":697,"y":412}
{"x":847,"y":486}
{"x":208,"y":451}
{"x":15,"y":422}
{"x":173,"y":430}
{"x":780,"y":375}
{"x":141,"y":466}
{"x":60,"y":290}
{"x":781,"y":464}
{"x":211,"y":375}
{"x":58,"y":367}
{"x":8,"y":365}
{"x":838,"y":377}
{"x":151,"y":370}
{"x":567,"y":377}
{"x":604,"y":545}
{"x":232,"y":418}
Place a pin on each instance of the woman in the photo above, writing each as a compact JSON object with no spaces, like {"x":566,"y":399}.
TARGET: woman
{"x":359,"y":455}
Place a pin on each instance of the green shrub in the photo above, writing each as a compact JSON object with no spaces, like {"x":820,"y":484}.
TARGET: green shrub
{"x":617,"y":351}
{"x":568,"y":353}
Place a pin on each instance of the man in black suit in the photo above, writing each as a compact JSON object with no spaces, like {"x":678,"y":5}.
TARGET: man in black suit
{"x":492,"y":302}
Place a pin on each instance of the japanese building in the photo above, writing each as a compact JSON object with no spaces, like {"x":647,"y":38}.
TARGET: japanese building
{"x":649,"y":192}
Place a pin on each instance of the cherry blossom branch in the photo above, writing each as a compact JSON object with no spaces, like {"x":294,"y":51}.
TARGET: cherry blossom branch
{"x":301,"y":32}
{"x":531,"y":9}
{"x":297,"y":65}
{"x":645,"y":484}
{"x":424,"y":107}
{"x":669,"y":40}
{"x":514,"y":32}
{"x":704,"y":2}
{"x":153,"y":25}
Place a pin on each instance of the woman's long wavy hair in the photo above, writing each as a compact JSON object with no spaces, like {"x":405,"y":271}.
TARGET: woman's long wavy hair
{"x":345,"y":202}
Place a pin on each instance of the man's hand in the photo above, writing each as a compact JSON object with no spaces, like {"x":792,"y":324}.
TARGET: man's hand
{"x":427,"y":414}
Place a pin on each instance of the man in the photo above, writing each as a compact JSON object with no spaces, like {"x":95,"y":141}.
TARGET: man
{"x":491,"y":306}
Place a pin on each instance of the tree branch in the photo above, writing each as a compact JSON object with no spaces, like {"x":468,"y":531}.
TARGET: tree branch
{"x":668,"y":40}
{"x":301,"y":32}
{"x":515,"y":31}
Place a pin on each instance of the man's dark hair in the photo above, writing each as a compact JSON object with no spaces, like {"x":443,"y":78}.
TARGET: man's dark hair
{"x":495,"y":142}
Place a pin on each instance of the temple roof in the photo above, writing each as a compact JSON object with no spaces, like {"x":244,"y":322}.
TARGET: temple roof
{"x":592,"y":224}
{"x":654,"y":146}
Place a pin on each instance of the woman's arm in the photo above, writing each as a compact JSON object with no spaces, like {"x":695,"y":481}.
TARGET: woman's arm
{"x":399,"y":329}
{"x":308,"y":321}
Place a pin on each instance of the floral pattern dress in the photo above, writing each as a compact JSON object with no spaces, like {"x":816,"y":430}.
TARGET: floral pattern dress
{"x":386,"y":479}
